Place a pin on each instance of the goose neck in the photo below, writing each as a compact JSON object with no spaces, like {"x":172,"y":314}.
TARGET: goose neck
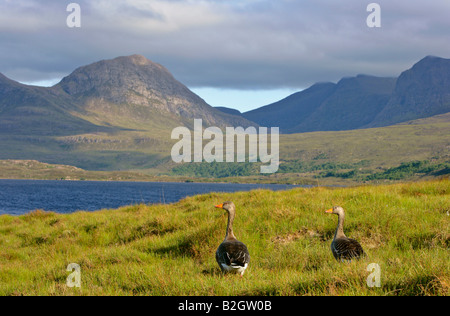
{"x":229,"y":233}
{"x":340,"y":226}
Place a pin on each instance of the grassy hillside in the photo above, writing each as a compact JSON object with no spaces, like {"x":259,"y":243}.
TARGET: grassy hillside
{"x":32,"y":169}
{"x":356,"y":155}
{"x":382,"y":147}
{"x":329,"y":157}
{"x":169,"y":249}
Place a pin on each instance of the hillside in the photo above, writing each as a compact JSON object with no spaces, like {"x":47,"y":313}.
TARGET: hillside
{"x":35,"y":170}
{"x":347,"y":156}
{"x":169,"y":249}
{"x":29,"y":110}
{"x":363,"y":101}
{"x":419,"y":148}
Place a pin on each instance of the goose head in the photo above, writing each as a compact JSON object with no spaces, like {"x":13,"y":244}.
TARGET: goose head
{"x":336,"y":210}
{"x":227,"y":206}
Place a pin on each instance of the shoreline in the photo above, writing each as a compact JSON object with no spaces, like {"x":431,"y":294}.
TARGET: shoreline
{"x":35,"y":170}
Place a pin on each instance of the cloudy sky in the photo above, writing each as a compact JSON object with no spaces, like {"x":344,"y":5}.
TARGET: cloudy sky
{"x":236,"y":53}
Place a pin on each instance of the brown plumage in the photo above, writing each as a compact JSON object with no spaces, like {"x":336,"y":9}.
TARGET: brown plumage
{"x":342,"y":247}
{"x":232,"y":255}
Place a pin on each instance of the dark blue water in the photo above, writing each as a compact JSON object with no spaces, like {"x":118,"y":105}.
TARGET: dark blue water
{"x":22,"y":196}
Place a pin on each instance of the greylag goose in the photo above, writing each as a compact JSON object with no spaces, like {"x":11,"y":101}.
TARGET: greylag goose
{"x":232,"y":255}
{"x":343,"y":248}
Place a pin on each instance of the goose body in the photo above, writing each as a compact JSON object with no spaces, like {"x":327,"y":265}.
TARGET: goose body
{"x":232,"y":254}
{"x":342,"y":247}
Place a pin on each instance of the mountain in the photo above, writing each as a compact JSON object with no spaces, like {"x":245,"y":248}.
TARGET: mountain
{"x":353,"y":103}
{"x":105,"y":96}
{"x":136,"y":81}
{"x":293,"y":110}
{"x":363,"y":101}
{"x":109,"y":115}
{"x":349,"y":104}
{"x":420,"y":92}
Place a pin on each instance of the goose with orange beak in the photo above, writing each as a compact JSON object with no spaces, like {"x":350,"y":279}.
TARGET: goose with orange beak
{"x":342,"y":247}
{"x":232,"y":255}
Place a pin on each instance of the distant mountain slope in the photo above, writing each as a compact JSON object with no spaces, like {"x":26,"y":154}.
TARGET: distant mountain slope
{"x":363,"y":101}
{"x":422,"y":91}
{"x":30,"y":110}
{"x":228,"y":110}
{"x":353,"y":103}
{"x":293,"y":110}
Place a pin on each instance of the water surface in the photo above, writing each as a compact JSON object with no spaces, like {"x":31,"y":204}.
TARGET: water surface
{"x":22,"y":196}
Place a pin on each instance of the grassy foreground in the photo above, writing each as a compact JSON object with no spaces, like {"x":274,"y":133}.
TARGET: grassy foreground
{"x":169,"y":249}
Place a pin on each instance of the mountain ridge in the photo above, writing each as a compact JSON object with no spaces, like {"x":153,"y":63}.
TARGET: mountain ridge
{"x":363,"y":101}
{"x":118,"y":114}
{"x":421,"y":91}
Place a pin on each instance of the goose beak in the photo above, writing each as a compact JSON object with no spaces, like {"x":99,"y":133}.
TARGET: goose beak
{"x":329,"y":211}
{"x":219,"y":206}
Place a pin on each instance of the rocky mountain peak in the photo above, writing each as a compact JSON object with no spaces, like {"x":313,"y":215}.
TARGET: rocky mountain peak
{"x":421,"y":91}
{"x":138,"y":59}
{"x":117,"y":75}
{"x":137,"y":81}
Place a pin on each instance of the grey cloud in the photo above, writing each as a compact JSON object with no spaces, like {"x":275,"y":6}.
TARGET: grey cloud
{"x":233,"y":44}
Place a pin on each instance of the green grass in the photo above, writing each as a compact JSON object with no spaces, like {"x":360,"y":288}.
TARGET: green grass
{"x":169,"y":249}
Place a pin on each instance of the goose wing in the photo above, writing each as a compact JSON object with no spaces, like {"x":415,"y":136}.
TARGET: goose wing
{"x":232,"y":254}
{"x":347,"y":248}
